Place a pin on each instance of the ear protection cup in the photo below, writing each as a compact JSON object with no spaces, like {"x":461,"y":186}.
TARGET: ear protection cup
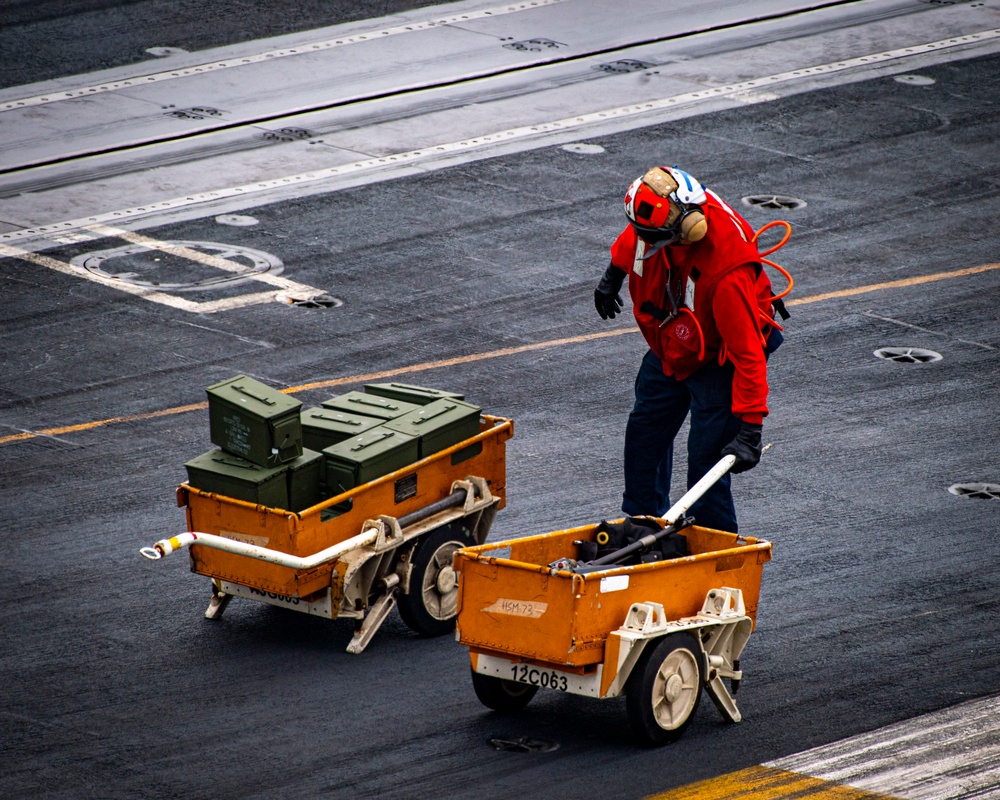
{"x":694,"y":226}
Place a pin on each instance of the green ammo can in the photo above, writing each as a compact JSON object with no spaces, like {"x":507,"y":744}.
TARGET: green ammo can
{"x":253,"y":421}
{"x":305,"y":480}
{"x":439,"y":424}
{"x":420,"y":395}
{"x":376,"y":452}
{"x":370,"y":405}
{"x":322,"y":427}
{"x":223,"y":473}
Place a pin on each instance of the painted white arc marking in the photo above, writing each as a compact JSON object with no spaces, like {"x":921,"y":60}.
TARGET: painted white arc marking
{"x":153,"y":295}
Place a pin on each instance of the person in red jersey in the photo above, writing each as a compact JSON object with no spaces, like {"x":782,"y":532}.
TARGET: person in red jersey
{"x":704,"y":305}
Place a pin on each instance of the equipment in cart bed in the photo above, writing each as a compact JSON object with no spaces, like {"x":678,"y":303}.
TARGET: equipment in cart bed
{"x":385,"y":534}
{"x":659,"y":631}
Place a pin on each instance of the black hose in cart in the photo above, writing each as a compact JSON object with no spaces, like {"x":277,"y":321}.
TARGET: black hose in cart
{"x":456,"y":498}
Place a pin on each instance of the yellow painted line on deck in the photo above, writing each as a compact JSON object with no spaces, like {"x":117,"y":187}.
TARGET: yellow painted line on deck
{"x":767,"y":783}
{"x":902,"y":283}
{"x":364,"y":378}
{"x":490,"y":354}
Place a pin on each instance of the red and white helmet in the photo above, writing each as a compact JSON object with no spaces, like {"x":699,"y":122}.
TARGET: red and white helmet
{"x":664,"y":205}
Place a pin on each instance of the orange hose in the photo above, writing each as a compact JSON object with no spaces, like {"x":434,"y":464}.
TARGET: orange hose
{"x":779,"y":245}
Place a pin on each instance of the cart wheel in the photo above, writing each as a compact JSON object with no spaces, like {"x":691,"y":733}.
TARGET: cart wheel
{"x":663,"y":691}
{"x":431,"y":604}
{"x":502,"y":695}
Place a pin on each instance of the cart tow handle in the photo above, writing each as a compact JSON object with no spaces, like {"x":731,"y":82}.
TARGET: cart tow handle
{"x":369,"y":535}
{"x":693,"y":495}
{"x":674,"y":518}
{"x":165,"y":547}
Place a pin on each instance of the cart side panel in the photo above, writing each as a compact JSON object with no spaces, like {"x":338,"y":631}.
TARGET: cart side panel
{"x":679,"y":585}
{"x":501,"y":601}
{"x":260,"y":575}
{"x":409,"y":489}
{"x":329,"y":523}
{"x":257,"y":525}
{"x":572,"y":615}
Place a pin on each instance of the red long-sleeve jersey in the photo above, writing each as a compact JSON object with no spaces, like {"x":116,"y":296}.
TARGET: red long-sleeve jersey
{"x":704,"y":301}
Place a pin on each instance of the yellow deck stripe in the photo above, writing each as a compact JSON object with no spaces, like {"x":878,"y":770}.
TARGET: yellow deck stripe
{"x":469,"y":359}
{"x":903,"y":282}
{"x":766,"y":783}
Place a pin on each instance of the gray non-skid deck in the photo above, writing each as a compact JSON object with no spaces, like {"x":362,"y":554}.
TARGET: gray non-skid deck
{"x":477,"y":274}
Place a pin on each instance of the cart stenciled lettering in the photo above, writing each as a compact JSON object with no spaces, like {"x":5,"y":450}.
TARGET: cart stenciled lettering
{"x":547,"y":679}
{"x":283,"y":598}
{"x":517,"y":608}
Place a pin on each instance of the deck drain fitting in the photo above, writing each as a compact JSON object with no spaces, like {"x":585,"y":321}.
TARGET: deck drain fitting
{"x":977,"y":491}
{"x":287,"y":135}
{"x":523,"y":744}
{"x":907,"y":355}
{"x":914,"y":80}
{"x":585,"y":149}
{"x":198,"y":112}
{"x":164,"y":52}
{"x":773,"y":202}
{"x":237,"y":220}
{"x":314,"y":301}
{"x":622,"y":66}
{"x":534,"y":45}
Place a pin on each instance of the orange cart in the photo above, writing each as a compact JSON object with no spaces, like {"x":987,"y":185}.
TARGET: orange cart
{"x":385,"y":543}
{"x":534,"y":617}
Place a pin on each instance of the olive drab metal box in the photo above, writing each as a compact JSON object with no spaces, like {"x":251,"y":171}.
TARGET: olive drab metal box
{"x":223,"y":473}
{"x":253,"y":421}
{"x":370,"y":405}
{"x":408,"y":393}
{"x":439,"y":424}
{"x":376,"y":452}
{"x":322,"y":427}
{"x":305,"y":480}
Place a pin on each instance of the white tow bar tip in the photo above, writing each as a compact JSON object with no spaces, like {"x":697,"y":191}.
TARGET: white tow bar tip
{"x":165,"y":547}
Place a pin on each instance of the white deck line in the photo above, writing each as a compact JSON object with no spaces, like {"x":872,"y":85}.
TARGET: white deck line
{"x":270,"y":55}
{"x":947,"y":755}
{"x":754,"y":90}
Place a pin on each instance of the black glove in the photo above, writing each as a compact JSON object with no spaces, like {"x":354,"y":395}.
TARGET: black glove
{"x":745,"y":446}
{"x":607,"y":301}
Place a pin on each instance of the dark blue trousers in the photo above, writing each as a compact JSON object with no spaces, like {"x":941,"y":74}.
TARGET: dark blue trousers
{"x":661,"y":405}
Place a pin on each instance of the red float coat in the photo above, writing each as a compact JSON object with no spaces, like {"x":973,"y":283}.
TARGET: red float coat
{"x":723,"y":299}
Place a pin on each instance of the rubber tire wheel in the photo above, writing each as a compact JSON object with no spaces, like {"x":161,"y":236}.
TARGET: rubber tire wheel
{"x":503,"y":696}
{"x":664,"y":689}
{"x":424,"y":608}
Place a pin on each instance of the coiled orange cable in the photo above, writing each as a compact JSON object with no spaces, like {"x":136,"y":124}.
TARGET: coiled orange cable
{"x":778,"y":246}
